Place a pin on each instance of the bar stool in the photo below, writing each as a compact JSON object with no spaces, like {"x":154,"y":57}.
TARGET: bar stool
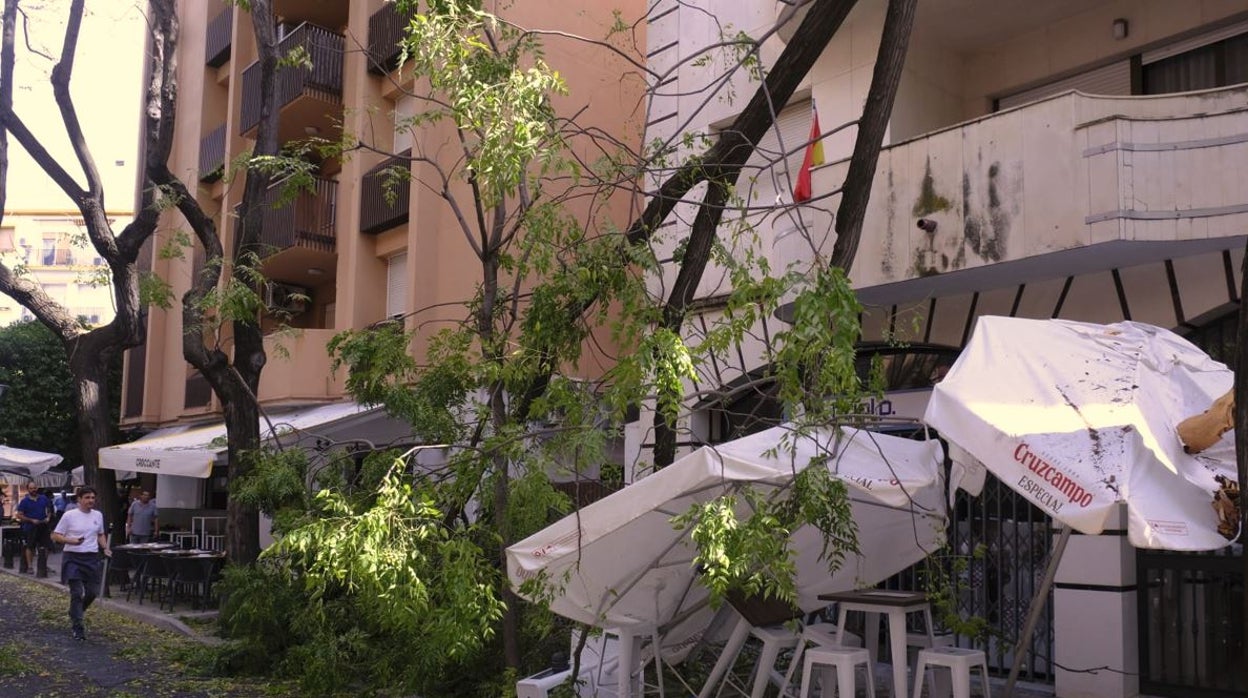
{"x":774,"y":638}
{"x":819,"y":635}
{"x":959,"y":661}
{"x":845,"y":660}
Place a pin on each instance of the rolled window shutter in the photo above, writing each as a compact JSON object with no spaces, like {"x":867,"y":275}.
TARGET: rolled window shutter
{"x":396,"y":285}
{"x":1112,"y":79}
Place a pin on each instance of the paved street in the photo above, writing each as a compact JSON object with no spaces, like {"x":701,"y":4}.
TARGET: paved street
{"x":121,"y":656}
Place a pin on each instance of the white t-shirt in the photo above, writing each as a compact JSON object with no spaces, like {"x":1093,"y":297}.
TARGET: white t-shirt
{"x":87,"y":525}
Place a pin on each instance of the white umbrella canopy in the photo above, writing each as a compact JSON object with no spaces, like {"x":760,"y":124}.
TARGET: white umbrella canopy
{"x":1078,"y":417}
{"x":620,"y":563}
{"x":22,"y":464}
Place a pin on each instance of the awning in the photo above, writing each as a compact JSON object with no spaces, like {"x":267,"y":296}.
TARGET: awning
{"x":192,"y":451}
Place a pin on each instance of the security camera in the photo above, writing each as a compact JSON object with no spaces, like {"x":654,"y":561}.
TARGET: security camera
{"x":927,"y":225}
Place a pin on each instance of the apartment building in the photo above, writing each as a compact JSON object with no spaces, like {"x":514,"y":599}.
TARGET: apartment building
{"x":346,"y":254}
{"x":52,"y":248}
{"x":1075,"y":159}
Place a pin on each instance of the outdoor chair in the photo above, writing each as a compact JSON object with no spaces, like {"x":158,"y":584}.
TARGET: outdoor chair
{"x":154,"y":577}
{"x":121,"y":566}
{"x":192,"y":577}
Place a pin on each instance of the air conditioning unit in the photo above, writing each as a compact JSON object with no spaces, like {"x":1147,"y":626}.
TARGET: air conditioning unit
{"x":286,"y":298}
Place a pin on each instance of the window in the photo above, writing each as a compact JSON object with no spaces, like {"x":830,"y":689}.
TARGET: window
{"x":1214,"y":64}
{"x":58,"y":292}
{"x":48,"y":251}
{"x":396,"y":285}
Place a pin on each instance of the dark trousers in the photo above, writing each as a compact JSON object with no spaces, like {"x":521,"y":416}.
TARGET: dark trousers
{"x":81,"y":573}
{"x":80,"y":597}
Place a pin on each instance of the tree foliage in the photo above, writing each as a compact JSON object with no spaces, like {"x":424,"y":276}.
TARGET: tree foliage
{"x":504,"y":394}
{"x":39,"y":408}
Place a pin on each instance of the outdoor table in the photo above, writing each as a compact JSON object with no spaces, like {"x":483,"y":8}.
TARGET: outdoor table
{"x":896,"y":604}
{"x":144,"y":547}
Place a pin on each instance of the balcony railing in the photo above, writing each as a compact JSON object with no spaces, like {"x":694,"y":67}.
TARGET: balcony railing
{"x":385,"y":31}
{"x":299,"y":367}
{"x":217,"y":43}
{"x":1124,"y":169}
{"x":320,"y":76}
{"x":305,"y":221}
{"x":212,"y":155}
{"x":385,"y":195}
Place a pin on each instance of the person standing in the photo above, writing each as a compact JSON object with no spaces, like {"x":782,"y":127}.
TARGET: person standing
{"x":141,"y":520}
{"x":82,"y":532}
{"x":34,"y":512}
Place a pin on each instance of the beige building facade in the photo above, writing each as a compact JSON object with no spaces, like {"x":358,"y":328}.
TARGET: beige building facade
{"x":51,"y":248}
{"x":1075,"y":159}
{"x":345,"y":255}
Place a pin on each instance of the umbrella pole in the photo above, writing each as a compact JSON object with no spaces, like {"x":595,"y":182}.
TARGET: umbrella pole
{"x":1037,"y":605}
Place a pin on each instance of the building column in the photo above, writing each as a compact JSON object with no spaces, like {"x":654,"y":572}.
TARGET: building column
{"x":1095,"y":622}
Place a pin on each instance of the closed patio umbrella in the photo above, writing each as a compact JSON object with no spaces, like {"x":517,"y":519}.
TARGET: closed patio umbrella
{"x":619,"y":563}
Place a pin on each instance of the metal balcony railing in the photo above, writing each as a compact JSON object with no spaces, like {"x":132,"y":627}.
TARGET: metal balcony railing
{"x":385,"y":31}
{"x":212,"y":155}
{"x":319,"y":76}
{"x":305,"y":221}
{"x":218,"y":39}
{"x":385,"y":195}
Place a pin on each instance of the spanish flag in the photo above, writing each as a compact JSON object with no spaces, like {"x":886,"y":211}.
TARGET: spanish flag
{"x":814,"y":156}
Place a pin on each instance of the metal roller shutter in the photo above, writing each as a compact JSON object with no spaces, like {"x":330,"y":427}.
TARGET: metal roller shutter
{"x":1112,"y":79}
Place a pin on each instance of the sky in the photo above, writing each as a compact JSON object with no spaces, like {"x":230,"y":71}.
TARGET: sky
{"x":107,"y":91}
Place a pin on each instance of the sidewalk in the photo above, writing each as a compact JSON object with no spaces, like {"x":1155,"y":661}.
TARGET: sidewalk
{"x":147,"y":612}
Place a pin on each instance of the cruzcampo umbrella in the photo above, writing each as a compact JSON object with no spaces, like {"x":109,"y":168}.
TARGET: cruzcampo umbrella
{"x":619,"y":563}
{"x":1078,"y":417}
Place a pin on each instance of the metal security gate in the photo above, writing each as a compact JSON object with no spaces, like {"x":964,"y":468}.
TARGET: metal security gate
{"x":1190,"y":620}
{"x":998,"y":548}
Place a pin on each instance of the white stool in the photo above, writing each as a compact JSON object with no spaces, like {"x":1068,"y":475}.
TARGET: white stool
{"x":960,"y":661}
{"x":820,"y":635}
{"x":845,"y":660}
{"x":775,"y":638}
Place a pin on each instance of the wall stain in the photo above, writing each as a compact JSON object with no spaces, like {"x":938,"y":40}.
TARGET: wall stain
{"x":890,"y":212}
{"x":929,"y":201}
{"x":997,"y":216}
{"x":986,"y":235}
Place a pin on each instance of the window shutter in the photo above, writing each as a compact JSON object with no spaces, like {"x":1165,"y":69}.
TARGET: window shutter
{"x":1112,"y":79}
{"x":396,"y":285}
{"x":793,"y":127}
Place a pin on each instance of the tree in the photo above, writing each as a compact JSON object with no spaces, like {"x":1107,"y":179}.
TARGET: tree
{"x":91,"y":351}
{"x":38,"y":409}
{"x":501,"y":388}
{"x":221,"y":312}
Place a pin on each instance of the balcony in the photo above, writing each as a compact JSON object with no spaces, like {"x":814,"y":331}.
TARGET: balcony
{"x":385,"y":195}
{"x":298,"y":368}
{"x":212,"y":155}
{"x":1068,"y":185}
{"x":309,"y":95}
{"x":217,"y":41}
{"x":306,"y":221}
{"x":385,"y":31}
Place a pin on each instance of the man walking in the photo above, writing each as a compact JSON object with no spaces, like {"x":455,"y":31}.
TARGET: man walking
{"x":82,"y":532}
{"x":33,"y":512}
{"x":141,"y":521}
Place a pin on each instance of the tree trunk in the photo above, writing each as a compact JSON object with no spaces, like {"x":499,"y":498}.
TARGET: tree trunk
{"x":1241,"y":446}
{"x":894,"y":43}
{"x":88,"y":362}
{"x":871,"y":127}
{"x":242,"y":425}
